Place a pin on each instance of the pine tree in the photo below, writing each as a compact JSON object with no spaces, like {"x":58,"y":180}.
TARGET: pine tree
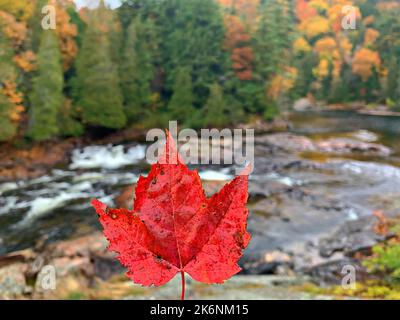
{"x":181,"y":104}
{"x":137,"y":68}
{"x":47,"y":95}
{"x":193,"y":34}
{"x":97,"y":91}
{"x":272,"y":41}
{"x":214,"y":111}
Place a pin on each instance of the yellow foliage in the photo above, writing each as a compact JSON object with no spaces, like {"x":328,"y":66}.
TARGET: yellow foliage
{"x":319,"y":4}
{"x":322,"y":70}
{"x":301,"y":45}
{"x":345,"y":45}
{"x":315,"y":26}
{"x":22,"y":9}
{"x":282,"y":83}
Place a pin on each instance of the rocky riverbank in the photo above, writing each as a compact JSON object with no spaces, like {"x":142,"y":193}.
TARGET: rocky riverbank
{"x":85,"y":269}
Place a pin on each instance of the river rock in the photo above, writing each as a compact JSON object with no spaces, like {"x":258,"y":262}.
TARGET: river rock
{"x":260,"y":125}
{"x":347,"y":145}
{"x":351,"y":237}
{"x":82,"y":246}
{"x":303,"y":104}
{"x":67,"y":265}
{"x":270,"y":262}
{"x":13,"y":282}
{"x":287,"y":141}
{"x":365,"y":135}
{"x":332,"y":272}
{"x":106,"y":265}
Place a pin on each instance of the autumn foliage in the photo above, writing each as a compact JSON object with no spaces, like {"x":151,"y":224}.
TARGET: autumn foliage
{"x":149,"y":61}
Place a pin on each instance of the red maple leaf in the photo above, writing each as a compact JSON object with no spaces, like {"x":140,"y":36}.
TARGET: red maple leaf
{"x":174,"y":227}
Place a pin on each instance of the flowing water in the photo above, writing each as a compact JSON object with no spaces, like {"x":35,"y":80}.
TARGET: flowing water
{"x":57,"y":205}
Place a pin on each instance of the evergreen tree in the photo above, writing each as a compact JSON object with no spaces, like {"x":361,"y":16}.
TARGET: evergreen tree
{"x":47,"y":94}
{"x":272,"y":42}
{"x":181,"y":104}
{"x":97,"y":92}
{"x":214,"y":112}
{"x":193,"y":34}
{"x":35,"y":24}
{"x":137,"y":68}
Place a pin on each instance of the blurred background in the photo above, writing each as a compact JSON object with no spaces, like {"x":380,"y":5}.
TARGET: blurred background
{"x":81,"y":82}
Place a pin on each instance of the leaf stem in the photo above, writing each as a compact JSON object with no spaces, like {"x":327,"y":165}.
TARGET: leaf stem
{"x":183,"y":285}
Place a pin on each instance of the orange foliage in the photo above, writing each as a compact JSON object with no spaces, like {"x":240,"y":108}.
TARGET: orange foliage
{"x":66,"y":32}
{"x":10,"y":91}
{"x":304,"y":11}
{"x":383,"y":224}
{"x":368,"y":20}
{"x":26,"y":61}
{"x":237,"y":40}
{"x":370,"y":36}
{"x":235,"y":31}
{"x":325,"y":46}
{"x":364,"y":61}
{"x":13,"y":30}
{"x":242,"y":59}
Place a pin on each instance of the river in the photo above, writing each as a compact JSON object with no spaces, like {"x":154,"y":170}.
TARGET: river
{"x":298,"y":197}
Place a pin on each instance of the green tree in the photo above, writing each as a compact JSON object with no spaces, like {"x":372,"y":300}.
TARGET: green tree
{"x":47,"y":95}
{"x":215,"y":110}
{"x":97,"y":89}
{"x":193,"y":34}
{"x":271,"y":43}
{"x":181,"y":104}
{"x":137,"y":68}
{"x":7,"y":127}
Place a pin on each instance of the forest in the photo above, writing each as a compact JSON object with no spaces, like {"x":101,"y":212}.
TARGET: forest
{"x":205,"y":63}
